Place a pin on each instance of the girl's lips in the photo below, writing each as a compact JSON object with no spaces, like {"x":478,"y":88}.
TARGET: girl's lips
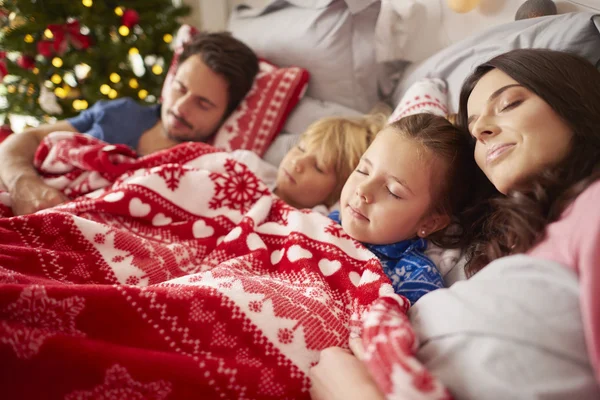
{"x":496,"y":151}
{"x":357,"y":214}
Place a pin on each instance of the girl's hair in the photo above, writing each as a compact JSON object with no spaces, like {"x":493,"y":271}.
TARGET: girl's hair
{"x":570,"y":85}
{"x":340,"y":142}
{"x":452,"y":165}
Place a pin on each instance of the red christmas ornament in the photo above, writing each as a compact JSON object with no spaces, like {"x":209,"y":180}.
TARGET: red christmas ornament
{"x":26,"y":62}
{"x":45,"y":48}
{"x":130,"y":18}
{"x":5,"y":131}
{"x":3,"y":68}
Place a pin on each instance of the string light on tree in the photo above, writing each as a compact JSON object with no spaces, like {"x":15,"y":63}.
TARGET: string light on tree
{"x":115,"y":78}
{"x":48,"y":34}
{"x":157,"y":69}
{"x":123,"y":30}
{"x":133,"y":83}
{"x":57,"y":62}
{"x":168,"y":38}
{"x":105,"y":89}
{"x":119,"y":11}
{"x":11,"y":89}
{"x":112,"y":94}
{"x":61,"y":93}
{"x":87,"y":3}
{"x":28,"y":38}
{"x":56,"y":79}
{"x":133,"y":51}
{"x":142,"y":94}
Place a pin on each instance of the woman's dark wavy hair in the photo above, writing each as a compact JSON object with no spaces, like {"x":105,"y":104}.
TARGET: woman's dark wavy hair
{"x":500,"y":225}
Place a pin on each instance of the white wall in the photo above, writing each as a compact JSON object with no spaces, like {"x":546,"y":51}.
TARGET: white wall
{"x":207,"y":14}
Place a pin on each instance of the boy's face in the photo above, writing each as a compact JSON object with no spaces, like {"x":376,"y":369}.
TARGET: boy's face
{"x":303,"y":181}
{"x":387,"y":197}
{"x":193,"y":107}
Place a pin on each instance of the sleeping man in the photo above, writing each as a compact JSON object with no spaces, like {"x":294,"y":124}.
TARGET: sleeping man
{"x":214,"y":74}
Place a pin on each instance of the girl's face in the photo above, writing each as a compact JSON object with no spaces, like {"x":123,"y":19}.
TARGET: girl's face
{"x":518,"y":134}
{"x":303,"y":180}
{"x":387,"y":198}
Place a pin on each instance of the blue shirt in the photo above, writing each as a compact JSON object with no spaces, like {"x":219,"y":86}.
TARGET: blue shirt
{"x":121,"y":121}
{"x":412,"y":273}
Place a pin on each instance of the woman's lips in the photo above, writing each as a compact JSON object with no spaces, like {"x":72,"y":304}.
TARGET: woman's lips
{"x":498,"y":150}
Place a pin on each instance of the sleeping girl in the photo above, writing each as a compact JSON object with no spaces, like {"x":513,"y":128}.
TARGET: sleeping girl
{"x":312,"y":174}
{"x":408,"y":184}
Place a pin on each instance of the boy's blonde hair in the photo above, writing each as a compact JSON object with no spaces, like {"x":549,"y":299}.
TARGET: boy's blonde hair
{"x":340,"y":143}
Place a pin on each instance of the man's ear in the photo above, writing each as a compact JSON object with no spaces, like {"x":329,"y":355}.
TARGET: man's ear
{"x":433,"y":223}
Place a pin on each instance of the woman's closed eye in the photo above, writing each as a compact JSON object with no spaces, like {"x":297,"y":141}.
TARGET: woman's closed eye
{"x":362,"y":172}
{"x":511,"y":105}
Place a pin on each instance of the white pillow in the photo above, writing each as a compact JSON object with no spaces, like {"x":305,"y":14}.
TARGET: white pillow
{"x":424,"y":27}
{"x":332,"y":39}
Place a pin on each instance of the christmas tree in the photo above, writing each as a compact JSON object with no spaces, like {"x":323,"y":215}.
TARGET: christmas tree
{"x":58,"y":57}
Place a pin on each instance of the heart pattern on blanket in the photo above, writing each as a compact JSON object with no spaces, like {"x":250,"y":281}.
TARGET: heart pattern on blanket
{"x":254,"y":242}
{"x":354,"y":278}
{"x":200,"y":230}
{"x":110,"y":147}
{"x":368,"y":277}
{"x":297,"y":252}
{"x":329,"y":267}
{"x":161,"y":219}
{"x":137,"y":208}
{"x":234,"y":234}
{"x":276,"y":256}
{"x":114,"y":197}
{"x":386,"y":289}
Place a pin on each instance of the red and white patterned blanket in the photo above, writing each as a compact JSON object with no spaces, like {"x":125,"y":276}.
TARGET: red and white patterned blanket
{"x":178,"y":275}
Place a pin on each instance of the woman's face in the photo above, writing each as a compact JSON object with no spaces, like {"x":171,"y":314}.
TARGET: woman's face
{"x":518,"y":134}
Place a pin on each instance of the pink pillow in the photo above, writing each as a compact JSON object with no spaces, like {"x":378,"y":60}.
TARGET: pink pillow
{"x":262,"y":113}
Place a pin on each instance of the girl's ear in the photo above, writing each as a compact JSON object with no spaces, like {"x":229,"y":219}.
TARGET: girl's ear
{"x":433,"y":223}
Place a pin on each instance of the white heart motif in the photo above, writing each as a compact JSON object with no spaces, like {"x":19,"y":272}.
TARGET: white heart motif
{"x":234,"y":234}
{"x":354,"y":278}
{"x":386,"y":289}
{"x":254,"y":242}
{"x":276,"y":256}
{"x":329,"y":267}
{"x":161,"y":219}
{"x":201,"y":230}
{"x":296,"y":252}
{"x":137,"y":208}
{"x":368,"y":277}
{"x":114,"y":197}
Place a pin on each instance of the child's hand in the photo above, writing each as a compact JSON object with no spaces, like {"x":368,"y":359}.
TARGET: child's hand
{"x":341,"y":375}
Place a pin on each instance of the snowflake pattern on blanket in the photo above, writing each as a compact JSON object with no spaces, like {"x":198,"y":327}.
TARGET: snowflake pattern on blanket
{"x":172,"y":276}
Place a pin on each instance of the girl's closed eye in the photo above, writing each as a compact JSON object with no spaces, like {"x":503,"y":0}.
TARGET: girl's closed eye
{"x":319,"y":169}
{"x":393,"y":194}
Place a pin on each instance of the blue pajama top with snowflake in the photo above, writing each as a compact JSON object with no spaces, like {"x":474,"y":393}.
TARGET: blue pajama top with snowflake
{"x":412,"y":273}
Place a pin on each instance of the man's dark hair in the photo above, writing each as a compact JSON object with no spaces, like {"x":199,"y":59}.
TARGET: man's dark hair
{"x":228,"y":57}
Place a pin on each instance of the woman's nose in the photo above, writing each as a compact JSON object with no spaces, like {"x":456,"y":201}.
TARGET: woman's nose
{"x":484,"y":129}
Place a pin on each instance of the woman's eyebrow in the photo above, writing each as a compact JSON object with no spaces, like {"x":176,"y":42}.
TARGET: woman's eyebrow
{"x":492,"y":97}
